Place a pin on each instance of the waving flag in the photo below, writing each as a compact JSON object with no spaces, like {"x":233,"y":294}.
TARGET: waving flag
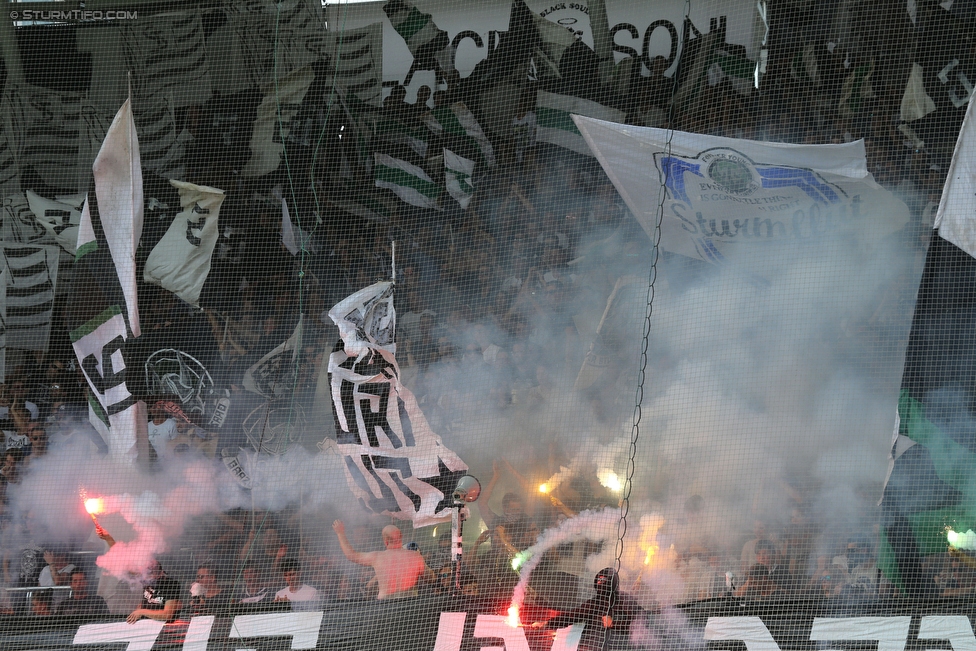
{"x":395,"y":464}
{"x":181,"y":260}
{"x":106,"y":318}
{"x":407,"y":181}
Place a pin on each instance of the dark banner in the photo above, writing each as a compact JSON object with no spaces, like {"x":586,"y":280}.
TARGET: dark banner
{"x":444,"y":624}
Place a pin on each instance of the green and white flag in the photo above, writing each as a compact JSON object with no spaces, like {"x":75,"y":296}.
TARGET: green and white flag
{"x":86,"y":234}
{"x":739,"y":70}
{"x":458,"y":173}
{"x":457,"y":122}
{"x":407,"y":181}
{"x":107,"y":321}
{"x":555,"y":124}
{"x":417,"y":28}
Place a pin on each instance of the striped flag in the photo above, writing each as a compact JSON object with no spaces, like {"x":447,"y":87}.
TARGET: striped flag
{"x":406,"y":180}
{"x":47,"y":127}
{"x":457,"y":123}
{"x":32,"y":273}
{"x":101,"y":334}
{"x":257,"y":29}
{"x":19,"y":224}
{"x":458,"y":177}
{"x":395,"y":464}
{"x":555,"y":126}
{"x":356,"y":57}
{"x":397,"y":139}
{"x":426,"y":42}
{"x":167,"y":55}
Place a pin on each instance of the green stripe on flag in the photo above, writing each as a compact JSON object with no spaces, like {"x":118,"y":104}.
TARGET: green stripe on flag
{"x":94,"y":323}
{"x":406,"y":180}
{"x":551,"y":118}
{"x":97,"y":409}
{"x":85,"y":249}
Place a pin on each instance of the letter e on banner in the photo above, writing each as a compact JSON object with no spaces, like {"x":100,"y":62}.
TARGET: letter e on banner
{"x":749,"y":630}
{"x":891,"y":633}
{"x":302,"y":627}
{"x":141,"y":636}
{"x":955,"y":628}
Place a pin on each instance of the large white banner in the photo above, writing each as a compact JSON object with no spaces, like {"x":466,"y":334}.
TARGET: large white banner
{"x":724,"y":196}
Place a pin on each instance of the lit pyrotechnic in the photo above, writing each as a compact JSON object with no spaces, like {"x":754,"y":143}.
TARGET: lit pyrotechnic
{"x":94,"y":505}
{"x":961,"y":540}
{"x":609,"y":479}
{"x":513,"y":618}
{"x":544,"y":488}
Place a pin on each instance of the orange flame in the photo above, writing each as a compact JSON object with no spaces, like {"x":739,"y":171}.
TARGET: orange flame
{"x":544,"y":488}
{"x":94,"y":505}
{"x":513,"y":619}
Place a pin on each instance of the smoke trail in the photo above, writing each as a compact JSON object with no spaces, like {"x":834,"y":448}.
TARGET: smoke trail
{"x":597,"y":526}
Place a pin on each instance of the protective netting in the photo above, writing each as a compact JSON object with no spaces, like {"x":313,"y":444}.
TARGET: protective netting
{"x":606,"y":324}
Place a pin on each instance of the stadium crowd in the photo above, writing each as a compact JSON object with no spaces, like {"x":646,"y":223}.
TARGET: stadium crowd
{"x":489,"y":291}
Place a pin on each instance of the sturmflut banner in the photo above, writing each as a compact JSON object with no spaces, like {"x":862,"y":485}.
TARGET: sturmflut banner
{"x":395,"y":463}
{"x":723,"y":196}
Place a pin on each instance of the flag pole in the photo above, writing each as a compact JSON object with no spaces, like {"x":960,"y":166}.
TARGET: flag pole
{"x":393,"y":259}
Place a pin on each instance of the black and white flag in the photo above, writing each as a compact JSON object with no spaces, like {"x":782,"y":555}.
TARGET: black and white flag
{"x":395,"y":464}
{"x":46,"y":126}
{"x":167,"y":55}
{"x":107,"y":322}
{"x":60,"y":218}
{"x":356,"y":57}
{"x":32,"y":274}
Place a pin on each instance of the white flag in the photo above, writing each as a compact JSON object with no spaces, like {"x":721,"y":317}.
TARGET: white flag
{"x":86,"y":233}
{"x":395,"y":464}
{"x":181,"y":260}
{"x":273,"y":376}
{"x":954,"y":220}
{"x":118,"y":188}
{"x":725,"y":196}
{"x":915,"y":103}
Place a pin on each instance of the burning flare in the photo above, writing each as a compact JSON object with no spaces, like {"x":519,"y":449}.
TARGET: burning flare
{"x":961,"y":540}
{"x":513,"y":618}
{"x":544,"y":488}
{"x":609,"y":479}
{"x":94,"y":505}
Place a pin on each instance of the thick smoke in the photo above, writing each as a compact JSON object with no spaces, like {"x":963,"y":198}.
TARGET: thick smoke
{"x":767,"y":391}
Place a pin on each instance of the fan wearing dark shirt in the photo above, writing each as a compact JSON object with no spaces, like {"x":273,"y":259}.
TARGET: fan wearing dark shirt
{"x":81,"y":603}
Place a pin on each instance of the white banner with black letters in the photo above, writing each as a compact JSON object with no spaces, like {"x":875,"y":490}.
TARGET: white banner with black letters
{"x":395,"y":463}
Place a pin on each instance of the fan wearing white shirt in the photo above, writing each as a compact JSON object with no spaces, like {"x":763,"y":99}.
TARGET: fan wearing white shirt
{"x":301,"y":596}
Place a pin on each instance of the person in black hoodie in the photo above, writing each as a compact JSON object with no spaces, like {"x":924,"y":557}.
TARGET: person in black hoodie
{"x":606,"y":617}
